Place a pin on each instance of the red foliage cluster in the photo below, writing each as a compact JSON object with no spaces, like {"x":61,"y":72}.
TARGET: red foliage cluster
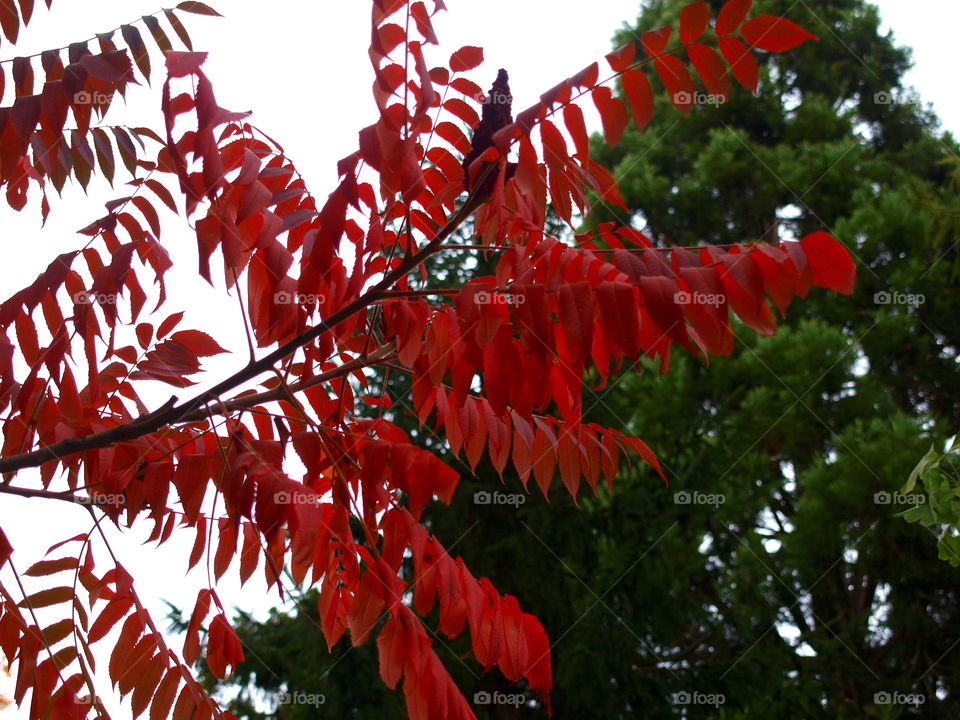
{"x":330,"y":290}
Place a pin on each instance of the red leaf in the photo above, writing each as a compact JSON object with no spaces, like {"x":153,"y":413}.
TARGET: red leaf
{"x":640,"y":447}
{"x":115,"y":609}
{"x":197,"y":342}
{"x":704,"y":304}
{"x":515,"y":658}
{"x":774,"y":34}
{"x":462,"y":110}
{"x":191,"y":641}
{"x":655,"y":41}
{"x":613,"y":114}
{"x":544,"y":457}
{"x":466,"y":58}
{"x":677,"y":81}
{"x":742,"y":62}
{"x":711,"y":69}
{"x":693,"y":21}
{"x":622,"y":58}
{"x":575,"y":310}
{"x":139,"y":49}
{"x":199,"y":542}
{"x":731,"y":15}
{"x":181,"y":64}
{"x":226,"y":547}
{"x":365,"y":608}
{"x":332,"y":608}
{"x":169,"y":324}
{"x":6,"y":549}
{"x":454,"y":135}
{"x":618,"y":308}
{"x":146,"y":683}
{"x":538,"y":656}
{"x":573,"y":120}
{"x":743,"y":284}
{"x":111,"y":66}
{"x":468,"y":88}
{"x":569,"y":460}
{"x":144,"y":334}
{"x":129,"y":634}
{"x":637,"y":88}
{"x":487,"y":637}
{"x":9,"y":20}
{"x":163,"y":698}
{"x":779,"y":274}
{"x":199,"y":8}
{"x":830,"y":263}
{"x":390,"y":650}
{"x":587,"y":77}
{"x":660,"y":300}
{"x":604,"y":183}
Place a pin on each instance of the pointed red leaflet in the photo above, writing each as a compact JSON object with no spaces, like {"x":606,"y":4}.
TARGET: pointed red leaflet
{"x":731,"y":15}
{"x":774,"y":34}
{"x":694,"y":19}
{"x":655,"y":41}
{"x":637,"y":88}
{"x":613,"y":114}
{"x":677,"y":81}
{"x":466,"y":58}
{"x":830,"y":262}
{"x":711,"y":69}
{"x":742,"y":62}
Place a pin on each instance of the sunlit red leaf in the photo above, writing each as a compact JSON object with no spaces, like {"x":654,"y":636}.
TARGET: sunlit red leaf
{"x":466,"y":58}
{"x":830,"y":262}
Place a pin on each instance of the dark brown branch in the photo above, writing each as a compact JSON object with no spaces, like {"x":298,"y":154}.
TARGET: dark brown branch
{"x":50,"y":495}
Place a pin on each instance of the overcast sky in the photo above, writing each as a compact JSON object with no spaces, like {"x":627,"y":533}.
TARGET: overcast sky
{"x":303,"y":68}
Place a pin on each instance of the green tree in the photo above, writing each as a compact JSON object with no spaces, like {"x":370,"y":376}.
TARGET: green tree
{"x":772,"y":577}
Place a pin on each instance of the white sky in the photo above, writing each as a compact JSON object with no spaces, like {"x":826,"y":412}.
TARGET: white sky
{"x":303,"y":68}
